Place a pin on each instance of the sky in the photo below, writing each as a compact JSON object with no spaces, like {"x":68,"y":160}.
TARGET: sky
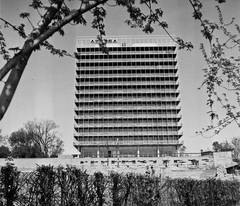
{"x":46,"y":90}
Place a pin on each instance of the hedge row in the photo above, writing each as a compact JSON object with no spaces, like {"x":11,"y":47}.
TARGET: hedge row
{"x":71,"y":186}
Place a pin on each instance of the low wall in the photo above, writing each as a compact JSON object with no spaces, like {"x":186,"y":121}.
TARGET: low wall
{"x":135,"y":162}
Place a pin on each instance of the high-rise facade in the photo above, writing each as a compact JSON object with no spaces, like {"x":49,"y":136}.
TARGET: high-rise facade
{"x":127,"y":101}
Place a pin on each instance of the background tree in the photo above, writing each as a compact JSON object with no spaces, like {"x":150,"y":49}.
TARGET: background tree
{"x":3,"y":139}
{"x":4,"y":152}
{"x":4,"y":147}
{"x":216,"y":146}
{"x":222,"y":147}
{"x":236,"y":145}
{"x":44,"y":136}
{"x":22,"y":145}
{"x":182,"y":150}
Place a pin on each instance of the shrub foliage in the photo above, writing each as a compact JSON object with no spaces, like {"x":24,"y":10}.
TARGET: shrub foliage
{"x":72,"y":186}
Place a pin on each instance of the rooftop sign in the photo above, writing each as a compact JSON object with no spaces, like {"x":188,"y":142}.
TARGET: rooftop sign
{"x":109,"y":41}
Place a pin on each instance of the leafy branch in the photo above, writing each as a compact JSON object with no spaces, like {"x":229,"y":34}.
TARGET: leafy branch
{"x":3,"y":50}
{"x":140,"y":20}
{"x":223,"y":69}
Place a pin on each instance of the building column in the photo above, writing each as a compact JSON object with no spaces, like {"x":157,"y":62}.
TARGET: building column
{"x":158,"y":152}
{"x":178,"y":152}
{"x":118,"y":155}
{"x":98,"y":152}
{"x":138,"y":153}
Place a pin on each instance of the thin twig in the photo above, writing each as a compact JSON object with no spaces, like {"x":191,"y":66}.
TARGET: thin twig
{"x":14,"y":27}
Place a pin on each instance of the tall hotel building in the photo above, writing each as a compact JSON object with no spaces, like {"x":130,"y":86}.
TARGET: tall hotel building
{"x":127,"y":102}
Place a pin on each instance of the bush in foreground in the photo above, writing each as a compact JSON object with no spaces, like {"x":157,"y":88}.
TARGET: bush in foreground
{"x":72,"y":186}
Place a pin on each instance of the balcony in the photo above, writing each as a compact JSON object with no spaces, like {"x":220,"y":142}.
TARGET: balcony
{"x":162,"y":68}
{"x":94,"y":83}
{"x":125,"y":133}
{"x":126,"y":63}
{"x":129,"y":116}
{"x":128,"y":91}
{"x":127,"y":99}
{"x":121,"y":124}
{"x":126,"y":107}
{"x":85,"y":76}
{"x":121,"y":143}
{"x":92,"y":60}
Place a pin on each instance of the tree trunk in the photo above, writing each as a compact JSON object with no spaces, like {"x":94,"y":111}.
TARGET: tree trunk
{"x":11,"y":84}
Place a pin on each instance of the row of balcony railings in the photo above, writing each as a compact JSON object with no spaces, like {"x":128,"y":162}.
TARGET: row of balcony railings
{"x":132,"y":133}
{"x":133,"y":155}
{"x":162,"y":75}
{"x":128,"y":130}
{"x":126,"y":78}
{"x":116,"y":114}
{"x":125,"y":63}
{"x":130,"y":77}
{"x":136,"y":121}
{"x":128,"y":140}
{"x":129,"y":51}
{"x":124,"y":91}
{"x":124,"y":96}
{"x":128,"y":91}
{"x":99,"y":106}
{"x":126,"y":87}
{"x":127,"y":70}
{"x":128,"y":54}
{"x":87,"y":135}
{"x":139,"y":83}
{"x":127,"y":116}
{"x":133,"y":142}
{"x":152,"y":55}
{"x":163,"y":49}
{"x":123,"y":105}
{"x":79,"y":118}
{"x":120,"y":124}
{"x":103,"y":96}
{"x":132,"y":92}
{"x":125,"y":123}
{"x":125,"y":82}
{"x":126,"y":59}
{"x":129,"y":112}
{"x":128,"y":136}
{"x":131,"y":119}
{"x":163,"y":68}
{"x":116,"y":73}
{"x":126,"y":107}
{"x":110,"y":134}
{"x":131,"y":104}
{"x":123,"y":119}
{"x":126,"y":99}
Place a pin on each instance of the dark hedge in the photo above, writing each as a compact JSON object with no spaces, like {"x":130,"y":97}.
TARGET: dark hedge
{"x":71,"y":186}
